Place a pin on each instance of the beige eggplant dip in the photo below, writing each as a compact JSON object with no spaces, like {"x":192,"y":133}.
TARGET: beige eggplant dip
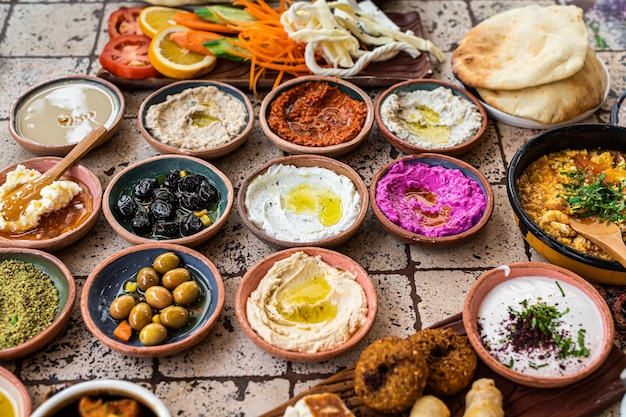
{"x":431,"y":119}
{"x":304,"y":304}
{"x":198,"y":118}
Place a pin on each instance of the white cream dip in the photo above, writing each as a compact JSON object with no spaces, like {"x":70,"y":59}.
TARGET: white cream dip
{"x":494,"y":315}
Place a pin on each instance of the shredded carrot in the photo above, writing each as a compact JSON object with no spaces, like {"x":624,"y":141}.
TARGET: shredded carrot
{"x":193,"y":40}
{"x":193,"y":21}
{"x":123,"y":331}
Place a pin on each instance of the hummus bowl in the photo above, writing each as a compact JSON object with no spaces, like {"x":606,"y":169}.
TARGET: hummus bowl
{"x":172,"y":224}
{"x":431,"y":199}
{"x":51,"y":117}
{"x":290,"y":292}
{"x":63,"y":281}
{"x":204,"y":119}
{"x":15,"y":393}
{"x":574,"y":137}
{"x":565,"y":304}
{"x":317,"y":115}
{"x":303,"y":200}
{"x":122,"y":274}
{"x":63,"y":227}
{"x":418,"y":116}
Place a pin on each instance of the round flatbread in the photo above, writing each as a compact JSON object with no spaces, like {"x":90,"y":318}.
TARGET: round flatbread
{"x":554,"y":102}
{"x":522,"y":47}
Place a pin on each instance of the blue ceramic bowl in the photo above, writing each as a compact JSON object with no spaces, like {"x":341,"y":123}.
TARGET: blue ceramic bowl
{"x":107,"y":281}
{"x":157,"y":167}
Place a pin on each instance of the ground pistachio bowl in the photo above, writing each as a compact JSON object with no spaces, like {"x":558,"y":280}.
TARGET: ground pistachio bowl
{"x":63,"y":281}
{"x":578,"y":136}
{"x":496,"y":293}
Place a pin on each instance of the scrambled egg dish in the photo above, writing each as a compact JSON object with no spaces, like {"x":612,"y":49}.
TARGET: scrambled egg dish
{"x":579,"y":183}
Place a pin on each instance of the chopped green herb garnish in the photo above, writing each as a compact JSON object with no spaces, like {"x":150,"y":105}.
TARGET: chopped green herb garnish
{"x":560,"y":289}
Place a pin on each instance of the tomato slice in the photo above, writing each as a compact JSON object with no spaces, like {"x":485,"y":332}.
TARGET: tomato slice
{"x":127,"y":56}
{"x":123,"y":21}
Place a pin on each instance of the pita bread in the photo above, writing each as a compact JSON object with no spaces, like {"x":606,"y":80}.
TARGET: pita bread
{"x":522,"y":47}
{"x":557,"y":101}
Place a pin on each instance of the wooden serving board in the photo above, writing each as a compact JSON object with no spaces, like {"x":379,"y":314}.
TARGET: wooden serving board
{"x":597,"y":392}
{"x":378,"y":74}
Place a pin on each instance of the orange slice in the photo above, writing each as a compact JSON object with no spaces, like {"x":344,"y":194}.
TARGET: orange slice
{"x":154,"y":18}
{"x":174,"y":61}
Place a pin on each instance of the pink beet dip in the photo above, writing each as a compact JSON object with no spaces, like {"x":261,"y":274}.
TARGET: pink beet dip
{"x":430,"y":200}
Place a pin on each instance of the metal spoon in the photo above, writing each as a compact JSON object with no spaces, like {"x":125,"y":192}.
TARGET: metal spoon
{"x":606,"y":235}
{"x":16,"y":201}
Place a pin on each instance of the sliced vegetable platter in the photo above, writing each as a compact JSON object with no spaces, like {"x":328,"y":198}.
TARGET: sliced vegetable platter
{"x":582,"y":399}
{"x":377,"y":74}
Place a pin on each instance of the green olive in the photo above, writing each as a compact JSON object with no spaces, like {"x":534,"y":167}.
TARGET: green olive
{"x":153,"y":334}
{"x":121,"y":306}
{"x":186,"y":293}
{"x":175,"y":277}
{"x":158,"y":297}
{"x":140,"y":316}
{"x":174,"y":317}
{"x":146,"y":278}
{"x":166,"y":261}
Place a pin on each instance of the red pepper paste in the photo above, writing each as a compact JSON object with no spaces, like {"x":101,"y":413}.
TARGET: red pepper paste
{"x":316,"y":114}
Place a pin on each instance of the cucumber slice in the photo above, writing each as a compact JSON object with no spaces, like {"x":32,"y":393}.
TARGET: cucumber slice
{"x":221,"y":14}
{"x":221,"y":47}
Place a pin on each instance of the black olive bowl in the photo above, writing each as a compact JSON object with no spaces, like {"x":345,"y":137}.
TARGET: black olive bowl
{"x":109,"y":278}
{"x":578,"y":136}
{"x":169,"y":231}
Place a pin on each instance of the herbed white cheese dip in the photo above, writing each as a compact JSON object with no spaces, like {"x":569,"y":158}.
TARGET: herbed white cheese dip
{"x":302,"y":204}
{"x":505,"y":314}
{"x":431,"y":119}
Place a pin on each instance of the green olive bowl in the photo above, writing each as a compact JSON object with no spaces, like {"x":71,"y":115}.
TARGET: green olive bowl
{"x":64,"y":282}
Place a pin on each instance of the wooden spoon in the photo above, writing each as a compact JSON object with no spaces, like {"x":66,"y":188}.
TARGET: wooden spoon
{"x":606,"y":235}
{"x":16,"y":201}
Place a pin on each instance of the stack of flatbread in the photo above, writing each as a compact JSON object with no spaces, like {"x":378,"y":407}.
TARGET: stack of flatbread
{"x":533,"y":62}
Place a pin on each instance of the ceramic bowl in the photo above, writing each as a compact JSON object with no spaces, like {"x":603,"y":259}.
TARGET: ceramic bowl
{"x":56,"y":241}
{"x":13,"y":389}
{"x":618,"y":111}
{"x":162,"y":94}
{"x":433,"y":160}
{"x":301,"y":161}
{"x":107,"y":281}
{"x":157,"y":167}
{"x":410,"y":86}
{"x":581,"y":136}
{"x":253,"y":276}
{"x":65,"y":401}
{"x":331,"y":150}
{"x":48,"y":119}
{"x":64,"y":282}
{"x":554,"y":275}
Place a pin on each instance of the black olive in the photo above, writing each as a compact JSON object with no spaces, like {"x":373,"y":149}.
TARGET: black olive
{"x":126,"y":207}
{"x":190,"y":183}
{"x":190,"y":225}
{"x":171,"y":179}
{"x":162,"y":210}
{"x":144,"y":188}
{"x":208,"y":193}
{"x":167,"y":229}
{"x":191,"y":202}
{"x":142,"y":224}
{"x":166,"y":195}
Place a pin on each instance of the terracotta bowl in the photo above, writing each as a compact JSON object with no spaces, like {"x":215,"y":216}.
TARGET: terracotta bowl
{"x":157,"y":167}
{"x":64,"y":282}
{"x":69,"y":397}
{"x":428,"y":85}
{"x":305,"y":161}
{"x":66,"y":101}
{"x":331,"y":150}
{"x":16,"y":392}
{"x":253,"y":276}
{"x":504,"y":274}
{"x":178,"y":87}
{"x":107,"y":281}
{"x":581,"y":136}
{"x":60,"y":241}
{"x":433,"y":160}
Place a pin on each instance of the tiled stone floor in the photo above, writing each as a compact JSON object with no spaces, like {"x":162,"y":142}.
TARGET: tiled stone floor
{"x":227,"y":375}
